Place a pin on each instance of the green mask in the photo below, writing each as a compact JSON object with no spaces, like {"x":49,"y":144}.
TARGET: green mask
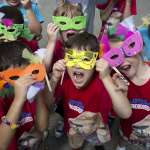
{"x":66,"y":23}
{"x":12,"y":33}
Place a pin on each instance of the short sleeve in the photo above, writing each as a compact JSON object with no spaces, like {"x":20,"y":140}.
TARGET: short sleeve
{"x":37,"y":13}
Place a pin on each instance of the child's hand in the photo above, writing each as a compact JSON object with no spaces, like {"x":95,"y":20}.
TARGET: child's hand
{"x":102,"y":67}
{"x":27,"y":4}
{"x":21,"y":86}
{"x":121,"y":85}
{"x":58,"y":69}
{"x":52,"y":31}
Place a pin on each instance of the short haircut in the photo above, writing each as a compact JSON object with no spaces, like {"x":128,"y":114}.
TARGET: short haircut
{"x":68,"y":10}
{"x":11,"y":54}
{"x":12,"y":13}
{"x":83,"y":41}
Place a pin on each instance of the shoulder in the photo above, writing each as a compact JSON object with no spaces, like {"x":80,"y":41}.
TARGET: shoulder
{"x":3,"y":4}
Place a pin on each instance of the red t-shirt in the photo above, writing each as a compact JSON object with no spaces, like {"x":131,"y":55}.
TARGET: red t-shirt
{"x":120,"y":5}
{"x":26,"y":119}
{"x":33,"y":44}
{"x":92,"y":98}
{"x":139,"y":97}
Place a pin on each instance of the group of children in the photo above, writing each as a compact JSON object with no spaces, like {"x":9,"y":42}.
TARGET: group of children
{"x":91,"y":79}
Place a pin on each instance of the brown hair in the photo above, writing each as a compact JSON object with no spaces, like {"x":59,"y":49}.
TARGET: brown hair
{"x":68,"y":10}
{"x":83,"y":40}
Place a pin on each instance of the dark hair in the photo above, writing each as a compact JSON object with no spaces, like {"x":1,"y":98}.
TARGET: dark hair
{"x":11,"y":54}
{"x":83,"y":40}
{"x":12,"y":13}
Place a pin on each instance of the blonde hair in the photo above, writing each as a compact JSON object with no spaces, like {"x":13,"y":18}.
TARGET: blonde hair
{"x":68,"y":10}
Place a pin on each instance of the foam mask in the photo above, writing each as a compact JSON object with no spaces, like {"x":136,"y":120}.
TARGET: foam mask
{"x":85,"y":59}
{"x":11,"y":32}
{"x":12,"y":74}
{"x":131,"y":46}
{"x":66,"y":23}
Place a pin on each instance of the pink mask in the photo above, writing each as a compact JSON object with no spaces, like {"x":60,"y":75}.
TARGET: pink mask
{"x":131,"y":46}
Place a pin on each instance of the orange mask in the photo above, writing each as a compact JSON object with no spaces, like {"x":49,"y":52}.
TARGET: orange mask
{"x":12,"y":74}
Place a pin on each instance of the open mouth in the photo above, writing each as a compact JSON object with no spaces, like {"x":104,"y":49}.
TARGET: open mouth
{"x":70,"y":33}
{"x":78,"y":76}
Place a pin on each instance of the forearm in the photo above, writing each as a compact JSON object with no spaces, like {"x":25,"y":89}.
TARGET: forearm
{"x":42,"y":113}
{"x":127,"y":9}
{"x":13,"y":114}
{"x":34,"y":25}
{"x":120,"y":102}
{"x":49,"y":54}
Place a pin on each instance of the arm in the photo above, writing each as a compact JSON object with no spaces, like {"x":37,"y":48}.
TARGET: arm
{"x":42,"y":113}
{"x":52,"y":31}
{"x":15,"y":109}
{"x":34,"y":25}
{"x":127,"y":9}
{"x":58,"y":68}
{"x":120,"y":102}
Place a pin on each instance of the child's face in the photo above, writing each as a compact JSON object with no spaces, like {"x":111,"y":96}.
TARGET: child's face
{"x":80,"y":67}
{"x":130,"y":65}
{"x":69,"y":26}
{"x":13,"y":2}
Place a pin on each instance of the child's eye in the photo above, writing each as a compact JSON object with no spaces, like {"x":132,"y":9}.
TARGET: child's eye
{"x":11,"y":30}
{"x":62,"y":23}
{"x":35,"y":71}
{"x":77,"y":22}
{"x":132,"y":45}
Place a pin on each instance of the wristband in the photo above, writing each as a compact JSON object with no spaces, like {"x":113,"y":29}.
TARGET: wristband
{"x":7,"y":122}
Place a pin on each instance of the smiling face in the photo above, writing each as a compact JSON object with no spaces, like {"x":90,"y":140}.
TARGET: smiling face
{"x":13,"y":2}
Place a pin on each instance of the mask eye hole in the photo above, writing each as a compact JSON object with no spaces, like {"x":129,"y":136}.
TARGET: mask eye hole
{"x":1,"y":35}
{"x":114,"y":56}
{"x":77,"y":22}
{"x":2,"y":28}
{"x":14,"y":77}
{"x":11,"y":30}
{"x":35,"y":71}
{"x":132,"y":45}
{"x":62,"y":23}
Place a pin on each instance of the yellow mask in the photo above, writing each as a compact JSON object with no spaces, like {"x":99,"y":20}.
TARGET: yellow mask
{"x":86,"y":59}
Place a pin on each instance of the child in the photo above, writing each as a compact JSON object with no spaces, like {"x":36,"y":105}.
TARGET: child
{"x":88,"y":8}
{"x":12,"y":27}
{"x":135,"y":129}
{"x":56,"y":45}
{"x":114,"y":11}
{"x":63,"y":13}
{"x":85,"y":92}
{"x":31,"y":13}
{"x":32,"y":17}
{"x":17,"y":114}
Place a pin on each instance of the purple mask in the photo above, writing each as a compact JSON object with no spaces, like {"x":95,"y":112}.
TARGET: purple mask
{"x":131,"y":46}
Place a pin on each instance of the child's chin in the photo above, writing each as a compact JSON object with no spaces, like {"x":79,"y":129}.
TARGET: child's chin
{"x":14,"y":4}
